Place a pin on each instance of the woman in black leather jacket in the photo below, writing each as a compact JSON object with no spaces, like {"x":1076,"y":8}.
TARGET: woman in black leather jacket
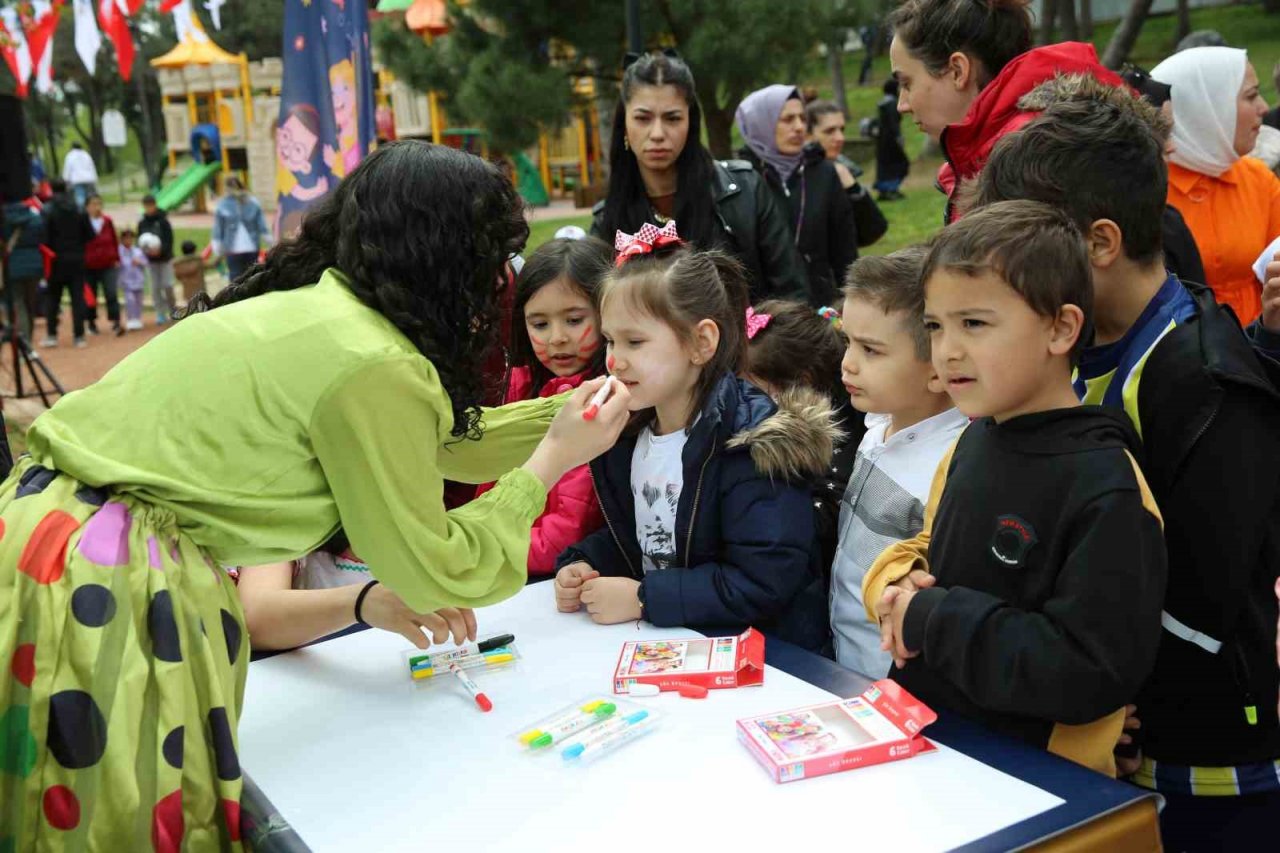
{"x":661,"y":171}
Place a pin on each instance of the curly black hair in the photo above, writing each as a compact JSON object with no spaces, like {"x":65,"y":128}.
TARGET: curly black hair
{"x":422,"y":233}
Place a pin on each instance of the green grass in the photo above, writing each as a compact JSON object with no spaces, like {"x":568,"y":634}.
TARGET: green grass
{"x":544,"y":229}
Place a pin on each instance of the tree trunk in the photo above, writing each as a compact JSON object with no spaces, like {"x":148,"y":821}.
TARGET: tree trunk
{"x":719,"y":129}
{"x":1049,"y":11}
{"x":1086,"y":19}
{"x":835,"y":63}
{"x":1126,"y":34}
{"x":1184,"y":21}
{"x":1067,"y":13}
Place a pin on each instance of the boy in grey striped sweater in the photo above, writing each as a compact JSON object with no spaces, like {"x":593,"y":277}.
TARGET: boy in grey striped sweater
{"x":910,"y":424}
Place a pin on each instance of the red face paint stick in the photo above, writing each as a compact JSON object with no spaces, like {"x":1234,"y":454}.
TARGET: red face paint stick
{"x":481,"y":700}
{"x":598,"y":400}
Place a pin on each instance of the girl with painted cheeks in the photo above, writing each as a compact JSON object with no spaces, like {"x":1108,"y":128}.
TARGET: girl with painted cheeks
{"x":708,"y":516}
{"x":556,"y":296}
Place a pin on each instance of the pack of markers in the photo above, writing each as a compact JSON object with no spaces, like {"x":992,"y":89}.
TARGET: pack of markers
{"x":690,"y":667}
{"x":456,"y":666}
{"x":883,"y":724}
{"x":590,"y":728}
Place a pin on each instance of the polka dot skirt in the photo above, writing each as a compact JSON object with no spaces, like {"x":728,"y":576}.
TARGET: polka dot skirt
{"x":125,"y":659}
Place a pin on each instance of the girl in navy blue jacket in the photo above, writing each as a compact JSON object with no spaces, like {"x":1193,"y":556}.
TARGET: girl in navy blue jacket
{"x":709,"y":519}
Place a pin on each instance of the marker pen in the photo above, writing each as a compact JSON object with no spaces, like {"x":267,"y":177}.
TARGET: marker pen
{"x":597,"y":400}
{"x":559,"y":731}
{"x":425,"y":670}
{"x":561,"y":720}
{"x":438,"y":658}
{"x":606,"y":736}
{"x":481,"y":699}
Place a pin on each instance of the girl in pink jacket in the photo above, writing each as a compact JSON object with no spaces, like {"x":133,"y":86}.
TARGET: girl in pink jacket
{"x":561,"y":348}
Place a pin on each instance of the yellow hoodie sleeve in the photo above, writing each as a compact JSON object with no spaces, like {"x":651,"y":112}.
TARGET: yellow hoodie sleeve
{"x":901,"y":558}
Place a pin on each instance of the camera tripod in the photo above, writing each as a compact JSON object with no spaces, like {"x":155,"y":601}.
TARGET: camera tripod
{"x":24,"y":355}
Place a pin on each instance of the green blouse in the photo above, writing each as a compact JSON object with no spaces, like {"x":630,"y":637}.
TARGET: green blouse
{"x":261,"y":424}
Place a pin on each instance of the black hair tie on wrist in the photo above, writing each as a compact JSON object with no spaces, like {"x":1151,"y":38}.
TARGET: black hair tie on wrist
{"x":360,"y":601}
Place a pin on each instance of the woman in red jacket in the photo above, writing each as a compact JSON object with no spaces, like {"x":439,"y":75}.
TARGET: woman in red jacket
{"x":101,"y":266}
{"x":560,"y":348}
{"x":963,"y":66}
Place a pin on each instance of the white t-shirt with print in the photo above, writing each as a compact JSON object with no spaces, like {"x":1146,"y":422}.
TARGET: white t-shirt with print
{"x":657,"y":476}
{"x":322,"y":570}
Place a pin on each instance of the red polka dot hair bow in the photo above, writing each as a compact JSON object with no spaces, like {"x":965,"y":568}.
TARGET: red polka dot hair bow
{"x":644,"y":241}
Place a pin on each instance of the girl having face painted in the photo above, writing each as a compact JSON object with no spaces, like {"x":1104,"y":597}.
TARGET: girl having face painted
{"x":561,"y":349}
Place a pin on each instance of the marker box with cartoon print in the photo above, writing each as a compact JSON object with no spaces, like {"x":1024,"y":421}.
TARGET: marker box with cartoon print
{"x":707,"y":662}
{"x":883,"y":724}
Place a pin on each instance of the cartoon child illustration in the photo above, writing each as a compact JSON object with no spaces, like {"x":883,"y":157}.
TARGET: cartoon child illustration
{"x":342,"y":88}
{"x":656,"y":657}
{"x":798,"y":735}
{"x":299,"y":178}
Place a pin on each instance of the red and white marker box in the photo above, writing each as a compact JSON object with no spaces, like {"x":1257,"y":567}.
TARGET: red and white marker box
{"x":883,"y":724}
{"x":691,"y":667}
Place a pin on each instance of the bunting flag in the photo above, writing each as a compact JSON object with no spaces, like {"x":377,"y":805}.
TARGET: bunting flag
{"x":170,"y":5}
{"x":13,"y":44}
{"x":88,"y":39}
{"x":326,"y":123}
{"x":44,"y":73}
{"x":214,"y":8}
{"x":40,"y":21}
{"x":111,"y":17}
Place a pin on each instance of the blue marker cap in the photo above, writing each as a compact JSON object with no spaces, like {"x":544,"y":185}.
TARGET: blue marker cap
{"x":573,"y":751}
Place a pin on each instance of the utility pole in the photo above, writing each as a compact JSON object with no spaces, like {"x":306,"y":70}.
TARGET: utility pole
{"x":635,"y":40}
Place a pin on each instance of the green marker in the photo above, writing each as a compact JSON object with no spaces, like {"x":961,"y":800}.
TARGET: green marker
{"x":577,"y":723}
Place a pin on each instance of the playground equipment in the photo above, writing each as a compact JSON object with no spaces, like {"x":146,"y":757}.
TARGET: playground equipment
{"x":568,"y":161}
{"x":225,"y":101}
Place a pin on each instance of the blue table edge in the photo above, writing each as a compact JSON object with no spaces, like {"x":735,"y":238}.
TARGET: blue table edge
{"x":1087,"y":796}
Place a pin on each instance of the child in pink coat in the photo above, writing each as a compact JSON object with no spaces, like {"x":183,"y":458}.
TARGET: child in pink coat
{"x":561,"y":348}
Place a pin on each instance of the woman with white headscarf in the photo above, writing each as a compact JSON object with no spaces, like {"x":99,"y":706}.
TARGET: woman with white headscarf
{"x":1231,"y":202}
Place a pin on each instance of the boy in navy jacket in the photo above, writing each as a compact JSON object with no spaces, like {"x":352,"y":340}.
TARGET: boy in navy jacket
{"x":1204,"y":398}
{"x":1031,"y":599}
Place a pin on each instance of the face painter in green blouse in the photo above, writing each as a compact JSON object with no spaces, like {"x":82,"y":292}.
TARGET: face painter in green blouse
{"x":336,"y":385}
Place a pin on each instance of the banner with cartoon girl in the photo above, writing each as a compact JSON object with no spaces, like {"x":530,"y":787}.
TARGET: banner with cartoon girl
{"x":326,"y":122}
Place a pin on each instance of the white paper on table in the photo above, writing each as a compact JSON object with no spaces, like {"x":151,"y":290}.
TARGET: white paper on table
{"x":1268,"y":255}
{"x":356,"y":757}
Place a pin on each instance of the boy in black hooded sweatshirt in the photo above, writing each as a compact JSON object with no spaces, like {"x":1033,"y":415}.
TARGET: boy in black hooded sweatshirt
{"x":1031,"y":599}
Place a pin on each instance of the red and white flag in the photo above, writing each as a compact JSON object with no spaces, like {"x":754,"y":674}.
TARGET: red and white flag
{"x":112,"y":18}
{"x":40,"y":23}
{"x":13,"y":44}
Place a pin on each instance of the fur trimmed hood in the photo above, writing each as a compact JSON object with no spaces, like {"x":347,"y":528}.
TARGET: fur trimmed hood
{"x":796,"y":442}
{"x":1074,"y":86}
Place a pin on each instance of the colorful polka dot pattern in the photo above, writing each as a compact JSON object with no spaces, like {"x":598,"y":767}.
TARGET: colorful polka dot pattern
{"x":81,"y":550}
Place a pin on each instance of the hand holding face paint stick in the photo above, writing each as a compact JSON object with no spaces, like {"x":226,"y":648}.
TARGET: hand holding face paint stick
{"x":572,"y":440}
{"x":598,"y":400}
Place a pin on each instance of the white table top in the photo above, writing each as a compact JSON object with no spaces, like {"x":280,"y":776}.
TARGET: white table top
{"x":357,"y":757}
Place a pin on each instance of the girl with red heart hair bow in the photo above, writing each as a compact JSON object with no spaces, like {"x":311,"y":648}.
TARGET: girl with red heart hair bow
{"x":706,"y":497}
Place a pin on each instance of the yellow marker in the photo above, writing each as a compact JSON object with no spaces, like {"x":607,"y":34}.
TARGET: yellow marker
{"x":530,"y":736}
{"x":489,"y":659}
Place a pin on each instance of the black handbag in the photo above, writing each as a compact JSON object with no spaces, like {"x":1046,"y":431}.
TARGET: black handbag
{"x":867,"y":216}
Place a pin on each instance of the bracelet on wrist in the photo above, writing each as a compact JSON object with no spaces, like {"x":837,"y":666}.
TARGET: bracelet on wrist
{"x":360,"y":602}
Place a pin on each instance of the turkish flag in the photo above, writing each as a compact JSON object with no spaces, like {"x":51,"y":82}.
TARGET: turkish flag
{"x":113,"y":22}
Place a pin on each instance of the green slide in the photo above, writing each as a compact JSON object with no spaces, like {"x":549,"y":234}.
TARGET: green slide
{"x":529,"y":182}
{"x":178,"y":191}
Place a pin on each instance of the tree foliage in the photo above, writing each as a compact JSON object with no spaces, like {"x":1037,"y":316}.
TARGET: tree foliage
{"x":508,"y":65}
